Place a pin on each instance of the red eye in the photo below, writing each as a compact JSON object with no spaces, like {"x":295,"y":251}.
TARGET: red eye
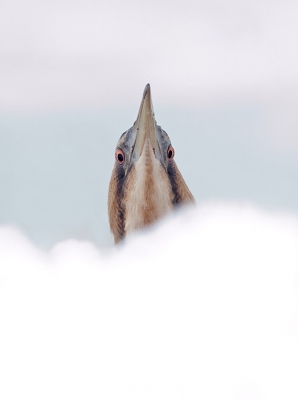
{"x":171,"y":153}
{"x":120,"y":157}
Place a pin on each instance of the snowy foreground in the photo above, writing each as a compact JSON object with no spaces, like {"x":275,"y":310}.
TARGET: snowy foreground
{"x":205,"y":306}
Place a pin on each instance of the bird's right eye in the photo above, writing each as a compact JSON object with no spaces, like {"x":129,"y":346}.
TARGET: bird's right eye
{"x":120,"y":157}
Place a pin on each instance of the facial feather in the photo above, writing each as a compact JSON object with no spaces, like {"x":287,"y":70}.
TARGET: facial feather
{"x":148,"y":195}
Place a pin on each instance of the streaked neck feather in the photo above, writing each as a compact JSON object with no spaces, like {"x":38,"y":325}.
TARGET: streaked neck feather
{"x":148,"y":194}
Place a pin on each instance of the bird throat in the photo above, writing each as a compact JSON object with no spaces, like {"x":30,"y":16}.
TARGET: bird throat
{"x":148,"y":194}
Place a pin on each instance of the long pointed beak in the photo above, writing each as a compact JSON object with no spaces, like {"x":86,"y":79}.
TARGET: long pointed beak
{"x":145,"y":124}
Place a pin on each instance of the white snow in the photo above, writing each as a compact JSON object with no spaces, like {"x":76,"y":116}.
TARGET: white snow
{"x":203,"y":306}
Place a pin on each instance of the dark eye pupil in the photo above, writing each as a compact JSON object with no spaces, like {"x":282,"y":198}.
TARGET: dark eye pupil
{"x":120,"y":157}
{"x":170,"y":153}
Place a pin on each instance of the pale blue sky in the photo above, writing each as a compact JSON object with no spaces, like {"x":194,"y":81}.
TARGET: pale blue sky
{"x":55,"y":168}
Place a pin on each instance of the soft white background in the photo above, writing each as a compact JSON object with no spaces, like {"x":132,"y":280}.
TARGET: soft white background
{"x":203,"y":306}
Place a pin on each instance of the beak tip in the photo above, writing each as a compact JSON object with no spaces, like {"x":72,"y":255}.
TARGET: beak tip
{"x":146,"y":90}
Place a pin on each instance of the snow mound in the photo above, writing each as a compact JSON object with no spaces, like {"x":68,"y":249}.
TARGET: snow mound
{"x":203,"y":306}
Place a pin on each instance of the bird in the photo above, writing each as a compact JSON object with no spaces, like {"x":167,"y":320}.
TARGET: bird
{"x":146,"y":183}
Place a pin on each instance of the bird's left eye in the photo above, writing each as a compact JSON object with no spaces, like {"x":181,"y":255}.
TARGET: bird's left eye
{"x":120,"y":157}
{"x":171,"y":153}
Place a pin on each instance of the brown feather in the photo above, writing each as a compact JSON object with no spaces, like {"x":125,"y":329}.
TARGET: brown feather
{"x":147,"y":195}
{"x":134,"y":204}
{"x":145,"y":183}
{"x":116,"y":210}
{"x":180,"y":190}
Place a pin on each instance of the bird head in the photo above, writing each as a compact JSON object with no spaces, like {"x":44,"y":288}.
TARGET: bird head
{"x":146,"y":183}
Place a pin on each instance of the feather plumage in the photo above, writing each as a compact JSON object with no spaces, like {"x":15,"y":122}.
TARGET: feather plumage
{"x":146,"y":183}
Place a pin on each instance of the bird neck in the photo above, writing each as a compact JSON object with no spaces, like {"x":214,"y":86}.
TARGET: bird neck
{"x":148,"y":194}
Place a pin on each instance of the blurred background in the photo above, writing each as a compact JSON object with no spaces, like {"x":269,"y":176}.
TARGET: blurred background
{"x":224,"y":79}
